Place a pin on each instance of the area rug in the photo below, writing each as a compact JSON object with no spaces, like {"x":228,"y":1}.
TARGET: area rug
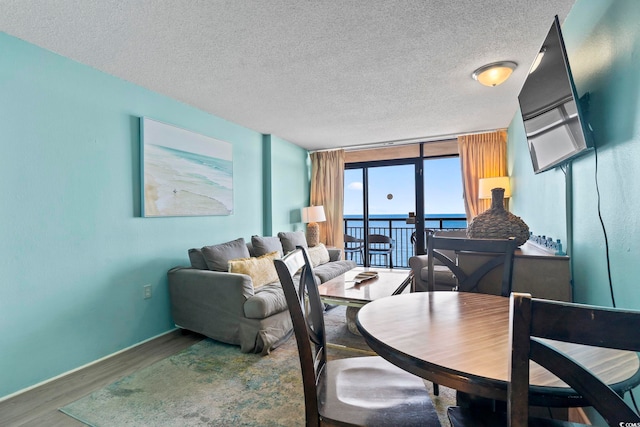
{"x":214,"y":384}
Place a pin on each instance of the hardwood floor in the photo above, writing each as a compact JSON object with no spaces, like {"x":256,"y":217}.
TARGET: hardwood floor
{"x":39,"y":407}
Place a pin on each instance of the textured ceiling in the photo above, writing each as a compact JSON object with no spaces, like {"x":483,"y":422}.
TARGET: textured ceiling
{"x":320,"y":74}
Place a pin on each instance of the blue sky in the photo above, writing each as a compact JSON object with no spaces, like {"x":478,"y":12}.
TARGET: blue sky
{"x":392,"y":189}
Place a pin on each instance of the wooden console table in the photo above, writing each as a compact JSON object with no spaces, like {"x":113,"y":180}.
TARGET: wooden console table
{"x":535,"y":270}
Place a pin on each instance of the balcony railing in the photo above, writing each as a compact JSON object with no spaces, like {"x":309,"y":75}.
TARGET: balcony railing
{"x":400,"y":232}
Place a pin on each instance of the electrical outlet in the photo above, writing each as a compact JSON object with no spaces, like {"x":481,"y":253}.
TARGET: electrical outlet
{"x":147,"y":291}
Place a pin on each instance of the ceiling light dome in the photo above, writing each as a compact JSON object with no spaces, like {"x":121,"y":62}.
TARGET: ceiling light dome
{"x":495,"y":73}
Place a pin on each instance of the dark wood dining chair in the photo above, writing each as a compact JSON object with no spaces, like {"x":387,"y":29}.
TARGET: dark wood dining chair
{"x":499,"y":252}
{"x":444,"y":278}
{"x":357,"y":391}
{"x":495,"y":253}
{"x":352,"y":246}
{"x":382,"y":245}
{"x":534,"y":320}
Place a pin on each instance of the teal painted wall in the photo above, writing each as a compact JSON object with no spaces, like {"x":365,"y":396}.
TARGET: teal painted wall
{"x":289,"y":185}
{"x":74,"y":253}
{"x":603,"y":43}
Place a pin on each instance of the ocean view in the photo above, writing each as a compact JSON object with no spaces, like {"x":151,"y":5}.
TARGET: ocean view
{"x":399,"y":221}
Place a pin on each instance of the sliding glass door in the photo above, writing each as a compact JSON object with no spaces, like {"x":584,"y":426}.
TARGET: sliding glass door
{"x":379,"y":199}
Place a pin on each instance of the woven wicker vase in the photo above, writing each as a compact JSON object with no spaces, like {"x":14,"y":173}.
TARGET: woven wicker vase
{"x":498,"y":223}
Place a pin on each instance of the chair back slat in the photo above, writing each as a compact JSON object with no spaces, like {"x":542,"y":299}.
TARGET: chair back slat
{"x":379,"y":244}
{"x":532,"y":319}
{"x":353,"y":245}
{"x":616,"y":324}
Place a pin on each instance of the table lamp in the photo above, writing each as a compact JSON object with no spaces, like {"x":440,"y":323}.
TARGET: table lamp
{"x":312,"y":216}
{"x":487,"y":184}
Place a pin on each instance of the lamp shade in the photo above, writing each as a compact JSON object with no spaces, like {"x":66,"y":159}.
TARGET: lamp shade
{"x":313,"y":214}
{"x":487,"y":184}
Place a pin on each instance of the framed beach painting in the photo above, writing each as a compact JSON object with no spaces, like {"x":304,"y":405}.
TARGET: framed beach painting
{"x":184,"y":173}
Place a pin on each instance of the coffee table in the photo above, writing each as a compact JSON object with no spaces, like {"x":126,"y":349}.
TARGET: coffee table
{"x":343,"y":290}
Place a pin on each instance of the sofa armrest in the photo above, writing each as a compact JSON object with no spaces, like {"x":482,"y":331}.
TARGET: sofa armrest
{"x":420,"y":261}
{"x":417,"y":262}
{"x":204,"y":299}
{"x":227,"y":288}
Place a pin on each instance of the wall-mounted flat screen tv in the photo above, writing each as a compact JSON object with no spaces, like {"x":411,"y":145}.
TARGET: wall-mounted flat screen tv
{"x":553,"y":115}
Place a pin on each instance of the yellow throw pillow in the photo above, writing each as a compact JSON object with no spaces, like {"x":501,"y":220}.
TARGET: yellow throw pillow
{"x":318,"y":255}
{"x":260,"y":269}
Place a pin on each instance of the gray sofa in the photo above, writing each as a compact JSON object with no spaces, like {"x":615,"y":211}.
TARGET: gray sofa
{"x":238,"y":308}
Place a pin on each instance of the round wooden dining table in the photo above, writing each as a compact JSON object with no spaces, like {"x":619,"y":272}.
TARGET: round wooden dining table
{"x":461,"y":340}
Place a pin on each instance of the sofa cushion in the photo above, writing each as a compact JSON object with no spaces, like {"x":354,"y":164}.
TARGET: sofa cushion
{"x":441,"y":275}
{"x":330,"y":270}
{"x":268,"y":300}
{"x":318,"y":255}
{"x":264,"y":245}
{"x":217,"y":257}
{"x":197,"y":259}
{"x":335,"y":254}
{"x":260,"y":269}
{"x":291,"y":239}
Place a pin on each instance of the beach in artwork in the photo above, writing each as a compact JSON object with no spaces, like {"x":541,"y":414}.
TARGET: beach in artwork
{"x":185,"y":183}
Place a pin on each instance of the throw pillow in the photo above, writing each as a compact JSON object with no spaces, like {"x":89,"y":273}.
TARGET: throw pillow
{"x":217,"y":256}
{"x":197,"y":260}
{"x":291,"y":239}
{"x":265,"y":245}
{"x":318,"y":255}
{"x":260,"y":269}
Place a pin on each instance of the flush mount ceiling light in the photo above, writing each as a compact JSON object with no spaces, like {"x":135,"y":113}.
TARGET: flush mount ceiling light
{"x":495,"y":73}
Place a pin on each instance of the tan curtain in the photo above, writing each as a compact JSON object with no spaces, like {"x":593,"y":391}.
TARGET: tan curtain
{"x":482,"y":155}
{"x":327,"y":189}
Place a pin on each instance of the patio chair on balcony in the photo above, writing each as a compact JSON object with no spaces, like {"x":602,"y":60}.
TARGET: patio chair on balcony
{"x":382,"y":245}
{"x":353,"y":245}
